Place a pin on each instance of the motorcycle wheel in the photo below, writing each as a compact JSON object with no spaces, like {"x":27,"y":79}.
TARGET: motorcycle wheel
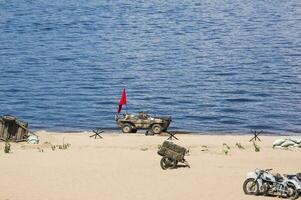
{"x":251,"y":186}
{"x":263,"y":190}
{"x":292,"y":192}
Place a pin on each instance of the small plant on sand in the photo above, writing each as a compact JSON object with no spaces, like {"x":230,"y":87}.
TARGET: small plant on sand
{"x":53,"y":147}
{"x":204,"y":148}
{"x":64,"y":146}
{"x":40,"y":150}
{"x":7,"y":147}
{"x":226,"y":151}
{"x":144,"y":149}
{"x":226,"y":146}
{"x":239,"y":146}
{"x":256,"y":147}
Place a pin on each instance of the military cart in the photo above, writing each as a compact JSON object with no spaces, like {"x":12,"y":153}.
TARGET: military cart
{"x":171,"y":155}
{"x":131,"y":123}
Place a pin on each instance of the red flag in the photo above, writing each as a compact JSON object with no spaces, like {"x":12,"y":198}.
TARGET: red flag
{"x":122,"y":100}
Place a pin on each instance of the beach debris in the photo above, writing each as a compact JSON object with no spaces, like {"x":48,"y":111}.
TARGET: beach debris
{"x":13,"y":129}
{"x":32,"y":139}
{"x":256,"y":133}
{"x":287,"y":142}
{"x":143,"y":148}
{"x":204,"y":148}
{"x":40,"y":150}
{"x":226,"y":146}
{"x":239,"y":145}
{"x":172,"y":154}
{"x":7,"y":147}
{"x":131,"y":123}
{"x":97,"y":133}
{"x":256,"y":147}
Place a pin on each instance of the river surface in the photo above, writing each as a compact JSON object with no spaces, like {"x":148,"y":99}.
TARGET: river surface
{"x":214,"y":66}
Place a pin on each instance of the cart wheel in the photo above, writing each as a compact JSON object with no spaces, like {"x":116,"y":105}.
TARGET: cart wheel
{"x":167,"y":162}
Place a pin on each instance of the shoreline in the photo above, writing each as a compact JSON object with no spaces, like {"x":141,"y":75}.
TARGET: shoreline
{"x":179,"y":132}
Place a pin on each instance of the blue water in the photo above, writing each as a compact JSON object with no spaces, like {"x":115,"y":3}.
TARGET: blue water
{"x":213,"y":65}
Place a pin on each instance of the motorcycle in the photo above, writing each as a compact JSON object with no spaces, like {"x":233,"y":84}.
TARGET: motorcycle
{"x":262,"y":182}
{"x":296,"y":177}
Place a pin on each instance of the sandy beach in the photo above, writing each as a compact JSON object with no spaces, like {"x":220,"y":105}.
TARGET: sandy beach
{"x":127,"y":167}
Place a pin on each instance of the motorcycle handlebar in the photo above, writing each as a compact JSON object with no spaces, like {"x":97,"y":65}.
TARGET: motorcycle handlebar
{"x":264,"y":170}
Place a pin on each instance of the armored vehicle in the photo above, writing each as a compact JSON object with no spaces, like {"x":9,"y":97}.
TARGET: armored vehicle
{"x":130,"y":123}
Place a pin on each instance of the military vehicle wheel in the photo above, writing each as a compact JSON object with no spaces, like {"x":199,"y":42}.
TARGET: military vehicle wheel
{"x":166,"y":163}
{"x":127,"y":128}
{"x":157,"y":128}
